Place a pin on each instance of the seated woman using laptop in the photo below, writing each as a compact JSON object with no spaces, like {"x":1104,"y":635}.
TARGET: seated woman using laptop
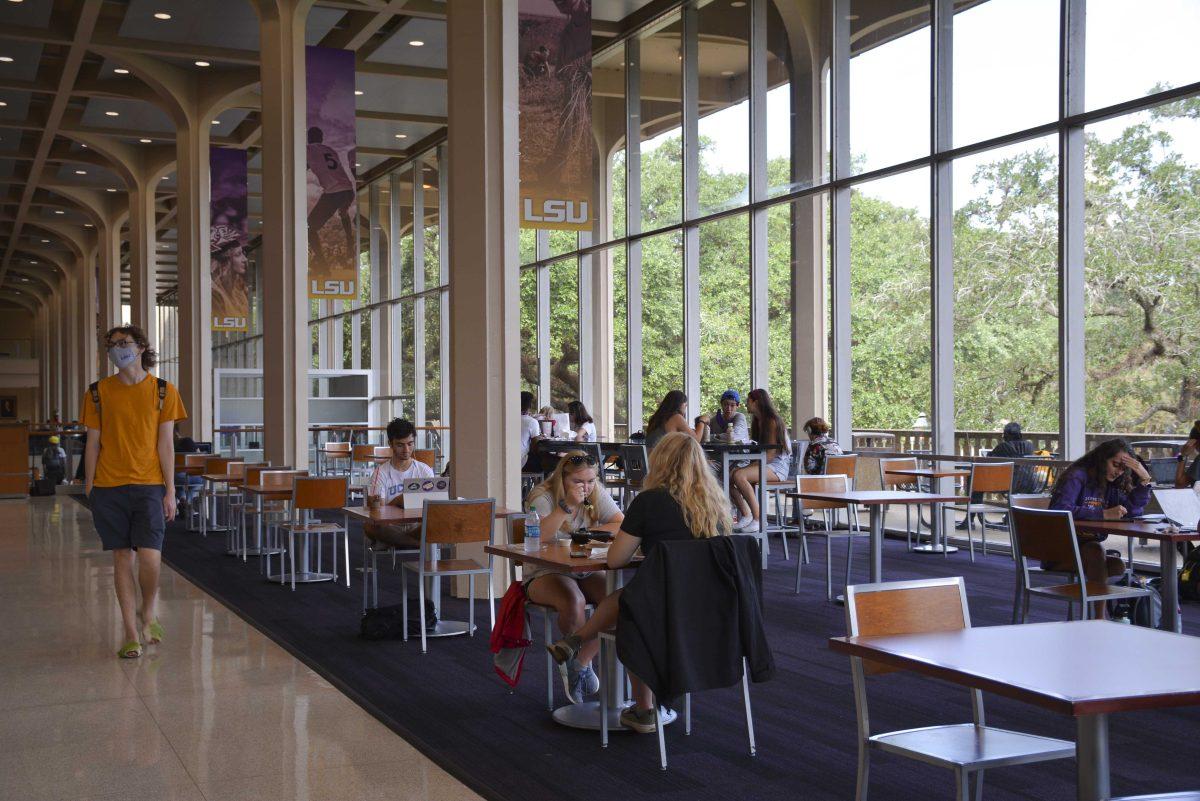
{"x":572,"y":498}
{"x":680,"y":499}
{"x":1106,"y":483}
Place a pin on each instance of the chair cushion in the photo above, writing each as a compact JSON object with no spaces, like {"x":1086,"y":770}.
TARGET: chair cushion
{"x":966,"y":744}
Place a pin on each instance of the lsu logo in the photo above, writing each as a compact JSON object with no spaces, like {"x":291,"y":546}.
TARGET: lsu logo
{"x":331,"y":287}
{"x":230,"y":323}
{"x":574,"y":212}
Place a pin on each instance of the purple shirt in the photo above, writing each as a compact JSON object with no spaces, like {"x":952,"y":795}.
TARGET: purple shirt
{"x":1087,"y":500}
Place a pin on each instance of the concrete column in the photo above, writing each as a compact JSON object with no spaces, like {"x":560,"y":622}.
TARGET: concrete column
{"x":484,"y":283}
{"x":283,"y":268}
{"x":54,"y":362}
{"x":195,"y":283}
{"x":88,"y":343}
{"x":109,"y":284}
{"x":71,"y":362}
{"x":142,"y":257}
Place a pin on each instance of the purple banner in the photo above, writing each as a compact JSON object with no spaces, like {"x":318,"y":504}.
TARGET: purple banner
{"x":227,"y":240}
{"x":332,"y":199}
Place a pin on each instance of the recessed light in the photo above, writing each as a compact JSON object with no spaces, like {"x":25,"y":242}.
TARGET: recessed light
{"x":216,"y":122}
{"x":738,"y":4}
{"x":59,"y":211}
{"x":112,"y":114}
{"x":45,"y":241}
{"x":162,"y":15}
{"x":144,"y":141}
{"x":203,"y":64}
{"x":417,"y":43}
{"x":3,"y":104}
{"x":88,"y":225}
{"x":6,"y":59}
{"x":358,"y":92}
{"x":110,"y":190}
{"x":401,"y":136}
{"x":84,"y":147}
{"x":427,"y":186}
{"x":81,"y":172}
{"x":358,"y":164}
{"x":121,"y":71}
{"x":727,"y":73}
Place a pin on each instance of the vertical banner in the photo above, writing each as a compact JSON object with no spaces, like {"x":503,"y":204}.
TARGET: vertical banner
{"x":332,"y":200}
{"x":556,"y":114}
{"x":227,"y":235}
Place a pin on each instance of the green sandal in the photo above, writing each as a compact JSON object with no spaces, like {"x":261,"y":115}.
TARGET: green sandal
{"x":156,"y":632}
{"x":130,"y":650}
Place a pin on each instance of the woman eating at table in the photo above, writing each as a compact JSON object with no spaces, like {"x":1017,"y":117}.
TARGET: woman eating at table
{"x":1106,"y":483}
{"x":572,"y":498}
{"x":581,"y":422}
{"x":768,"y":430}
{"x":680,"y":499}
{"x":671,"y":417}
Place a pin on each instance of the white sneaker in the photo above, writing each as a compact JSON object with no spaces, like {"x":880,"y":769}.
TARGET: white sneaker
{"x":749,"y":528}
{"x":740,"y":523}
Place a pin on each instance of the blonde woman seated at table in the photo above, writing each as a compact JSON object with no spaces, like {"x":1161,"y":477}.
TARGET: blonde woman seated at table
{"x":671,"y":417}
{"x":680,"y":500}
{"x":768,"y":430}
{"x":572,"y":498}
{"x":387,"y":484}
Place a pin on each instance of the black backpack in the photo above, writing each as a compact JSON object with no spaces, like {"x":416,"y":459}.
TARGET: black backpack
{"x":386,"y":622}
{"x":1189,"y":575}
{"x":1146,"y":611}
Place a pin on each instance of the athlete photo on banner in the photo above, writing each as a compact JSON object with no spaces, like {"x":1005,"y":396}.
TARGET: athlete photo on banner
{"x":557,"y":144}
{"x":229,"y":267}
{"x":332,"y":200}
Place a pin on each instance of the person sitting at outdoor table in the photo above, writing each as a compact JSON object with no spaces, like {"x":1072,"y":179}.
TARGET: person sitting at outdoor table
{"x":581,"y":422}
{"x":387,"y":484}
{"x":680,"y":500}
{"x":769,"y":431}
{"x":820,"y":446}
{"x":728,"y":424}
{"x":1186,"y":475}
{"x":1106,"y":483}
{"x":572,"y":498}
{"x":671,"y":417}
{"x":531,"y":432}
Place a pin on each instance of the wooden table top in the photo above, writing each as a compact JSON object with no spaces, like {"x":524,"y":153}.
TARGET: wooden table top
{"x":930,"y":472}
{"x":221,"y":477}
{"x":395,"y":514}
{"x":1134,"y":528}
{"x":876,"y":497}
{"x":267,"y":492}
{"x":190,"y":469}
{"x":556,"y":554}
{"x":1074,"y":668}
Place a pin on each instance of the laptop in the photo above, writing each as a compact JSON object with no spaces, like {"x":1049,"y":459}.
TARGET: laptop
{"x":418,"y":490}
{"x":1179,"y":506}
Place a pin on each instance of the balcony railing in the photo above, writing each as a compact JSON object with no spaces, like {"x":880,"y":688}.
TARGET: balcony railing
{"x":972,"y":443}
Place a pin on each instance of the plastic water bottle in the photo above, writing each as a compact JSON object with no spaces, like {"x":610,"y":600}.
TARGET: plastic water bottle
{"x":533,"y":530}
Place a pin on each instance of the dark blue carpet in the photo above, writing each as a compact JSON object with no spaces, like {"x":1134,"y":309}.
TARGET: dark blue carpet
{"x":451,"y":706}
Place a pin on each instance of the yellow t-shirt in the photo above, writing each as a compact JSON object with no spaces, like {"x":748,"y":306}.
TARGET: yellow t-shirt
{"x":128,"y":421}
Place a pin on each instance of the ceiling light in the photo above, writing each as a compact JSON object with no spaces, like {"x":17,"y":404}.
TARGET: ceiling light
{"x":144,"y":141}
{"x":84,"y":147}
{"x":3,"y":104}
{"x":216,"y":122}
{"x":358,"y":92}
{"x":6,"y":59}
{"x":45,"y":241}
{"x":358,"y":164}
{"x":121,"y":71}
{"x":112,"y":114}
{"x":59,"y":211}
{"x":401,"y":136}
{"x":81,"y":172}
{"x":417,"y":43}
{"x":162,"y":15}
{"x":727,"y":73}
{"x":203,"y":64}
{"x":427,"y":186}
{"x":738,"y":4}
{"x":88,"y":225}
{"x":110,"y":190}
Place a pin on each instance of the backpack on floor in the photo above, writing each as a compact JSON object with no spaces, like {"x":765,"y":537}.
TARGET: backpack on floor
{"x":1146,"y":611}
{"x":1189,"y":576}
{"x":387,"y":622}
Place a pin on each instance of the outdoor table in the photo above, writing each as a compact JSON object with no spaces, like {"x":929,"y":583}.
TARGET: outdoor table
{"x":937,"y":542}
{"x":393,"y":515}
{"x":729,"y":452}
{"x":1167,"y":552}
{"x":262,"y":495}
{"x":1086,"y":669}
{"x":557,"y":554}
{"x":875,"y":501}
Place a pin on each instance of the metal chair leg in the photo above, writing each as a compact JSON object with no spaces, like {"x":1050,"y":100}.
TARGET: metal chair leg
{"x":421,"y":607}
{"x":828,"y":566}
{"x":983,"y":534}
{"x":687,"y":713}
{"x":962,"y":785}
{"x":470,"y":606}
{"x":603,"y":691}
{"x":864,"y":771}
{"x":746,"y":699}
{"x":662,"y":742}
{"x":550,"y":666}
{"x":404,"y":602}
{"x":799,"y":567}
{"x":978,"y":786}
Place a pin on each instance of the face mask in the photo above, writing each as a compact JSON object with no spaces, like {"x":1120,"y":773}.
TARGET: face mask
{"x":122,"y":356}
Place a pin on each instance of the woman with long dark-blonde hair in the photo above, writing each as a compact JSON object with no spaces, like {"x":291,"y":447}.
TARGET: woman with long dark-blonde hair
{"x":680,"y":500}
{"x":571,"y":498}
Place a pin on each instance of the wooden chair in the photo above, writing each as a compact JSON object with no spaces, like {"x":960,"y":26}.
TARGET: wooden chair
{"x":968,"y":749}
{"x":362,"y":459}
{"x":310,"y":495}
{"x":1048,"y":535}
{"x":828,"y":483}
{"x":192,"y":493}
{"x":428,"y":456}
{"x":992,"y":478}
{"x":892,"y":482}
{"x":1029,"y":502}
{"x":213,"y":466}
{"x":246,"y":510}
{"x":334,"y":455}
{"x":281,"y":478}
{"x":844,"y":464}
{"x":457,"y":522}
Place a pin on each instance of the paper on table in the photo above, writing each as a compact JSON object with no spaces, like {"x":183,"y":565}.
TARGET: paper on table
{"x":599,"y":553}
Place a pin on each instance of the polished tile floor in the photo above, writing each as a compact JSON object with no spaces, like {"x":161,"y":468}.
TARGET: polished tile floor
{"x":217,"y":711}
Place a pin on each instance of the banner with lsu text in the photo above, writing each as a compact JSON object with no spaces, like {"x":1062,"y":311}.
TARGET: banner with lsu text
{"x":556,"y":114}
{"x":227,"y":236}
{"x":332,"y":199}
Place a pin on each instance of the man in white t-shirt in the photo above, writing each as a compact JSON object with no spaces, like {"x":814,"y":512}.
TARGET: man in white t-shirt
{"x":530,"y":431}
{"x":387,"y":482}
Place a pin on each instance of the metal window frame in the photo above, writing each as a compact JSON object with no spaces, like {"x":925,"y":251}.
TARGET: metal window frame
{"x":634,"y":414}
{"x":690,"y":95}
{"x":941,"y":232}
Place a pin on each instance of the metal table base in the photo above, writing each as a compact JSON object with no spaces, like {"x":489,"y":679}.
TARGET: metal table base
{"x":302,"y":577}
{"x":932,"y":548}
{"x":587,"y":716}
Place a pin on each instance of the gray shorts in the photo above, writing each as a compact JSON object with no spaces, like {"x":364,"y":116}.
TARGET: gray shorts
{"x":129,"y":516}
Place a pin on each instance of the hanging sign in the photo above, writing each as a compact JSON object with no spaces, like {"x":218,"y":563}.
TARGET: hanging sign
{"x":556,"y":114}
{"x":332,"y":199}
{"x":228,"y":265}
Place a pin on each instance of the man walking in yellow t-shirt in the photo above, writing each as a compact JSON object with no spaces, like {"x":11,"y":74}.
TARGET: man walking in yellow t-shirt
{"x":129,"y":474}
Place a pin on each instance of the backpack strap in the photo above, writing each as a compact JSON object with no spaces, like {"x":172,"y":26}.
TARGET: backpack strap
{"x":162,"y":392}
{"x":94,"y":391}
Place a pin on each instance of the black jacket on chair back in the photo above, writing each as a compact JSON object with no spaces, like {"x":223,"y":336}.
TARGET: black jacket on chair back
{"x":691,"y":613}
